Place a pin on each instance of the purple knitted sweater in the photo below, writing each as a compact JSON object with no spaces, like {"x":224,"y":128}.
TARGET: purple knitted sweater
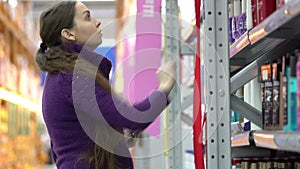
{"x":73,"y":107}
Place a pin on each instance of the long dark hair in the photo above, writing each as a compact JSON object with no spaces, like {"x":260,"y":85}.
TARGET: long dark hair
{"x":51,"y":58}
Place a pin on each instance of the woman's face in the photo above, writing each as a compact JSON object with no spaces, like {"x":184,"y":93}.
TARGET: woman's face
{"x":86,"y":28}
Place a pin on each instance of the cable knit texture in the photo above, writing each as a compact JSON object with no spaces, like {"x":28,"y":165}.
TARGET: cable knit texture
{"x":73,"y":105}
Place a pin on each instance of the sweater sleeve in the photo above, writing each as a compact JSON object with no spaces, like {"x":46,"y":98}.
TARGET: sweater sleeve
{"x":96,"y":103}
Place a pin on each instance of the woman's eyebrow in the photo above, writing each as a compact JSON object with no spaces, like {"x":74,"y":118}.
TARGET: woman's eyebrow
{"x":86,"y":11}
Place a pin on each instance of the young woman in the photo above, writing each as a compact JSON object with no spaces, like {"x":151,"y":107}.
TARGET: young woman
{"x":84,"y":117}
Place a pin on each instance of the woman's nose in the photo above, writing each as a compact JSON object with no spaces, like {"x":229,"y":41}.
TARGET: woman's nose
{"x":97,"y":22}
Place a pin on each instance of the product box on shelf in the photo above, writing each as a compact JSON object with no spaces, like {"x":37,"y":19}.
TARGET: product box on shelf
{"x":284,"y":88}
{"x":297,"y":52}
{"x":266,"y":75}
{"x":298,"y":93}
{"x":242,"y":25}
{"x":268,"y":106}
{"x":279,"y":3}
{"x":267,"y":7}
{"x":280,"y":93}
{"x":255,"y":14}
{"x":292,"y":95}
{"x":235,"y":19}
{"x":282,"y":96}
{"x":266,"y":163}
{"x":231,"y":15}
{"x":277,"y":122}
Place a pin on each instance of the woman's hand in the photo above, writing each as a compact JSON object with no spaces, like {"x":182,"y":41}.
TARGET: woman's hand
{"x":131,"y":137}
{"x":166,"y":77}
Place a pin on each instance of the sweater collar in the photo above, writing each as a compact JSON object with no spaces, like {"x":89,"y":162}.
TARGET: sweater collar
{"x":105,"y":65}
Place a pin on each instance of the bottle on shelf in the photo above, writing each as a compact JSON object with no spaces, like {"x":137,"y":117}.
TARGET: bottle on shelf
{"x":292,"y":95}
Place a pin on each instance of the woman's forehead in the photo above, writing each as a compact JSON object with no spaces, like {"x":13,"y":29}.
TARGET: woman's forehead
{"x":80,"y":8}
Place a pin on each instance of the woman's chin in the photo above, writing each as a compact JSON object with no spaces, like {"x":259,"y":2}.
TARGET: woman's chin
{"x":93,"y":46}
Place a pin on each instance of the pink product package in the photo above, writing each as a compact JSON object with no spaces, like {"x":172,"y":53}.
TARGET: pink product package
{"x":298,"y":92}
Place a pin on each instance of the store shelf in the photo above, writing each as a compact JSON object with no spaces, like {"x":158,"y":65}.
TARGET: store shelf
{"x":262,"y":144}
{"x":271,"y":39}
{"x":265,"y":153}
{"x":279,"y":140}
{"x":241,"y":140}
{"x":279,"y":30}
{"x":276,"y":140}
{"x":251,"y":152}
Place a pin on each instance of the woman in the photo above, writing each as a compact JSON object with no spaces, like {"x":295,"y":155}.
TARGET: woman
{"x":84,"y":118}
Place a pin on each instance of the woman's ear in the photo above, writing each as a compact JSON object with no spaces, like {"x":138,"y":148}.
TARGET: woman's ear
{"x":68,"y":35}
